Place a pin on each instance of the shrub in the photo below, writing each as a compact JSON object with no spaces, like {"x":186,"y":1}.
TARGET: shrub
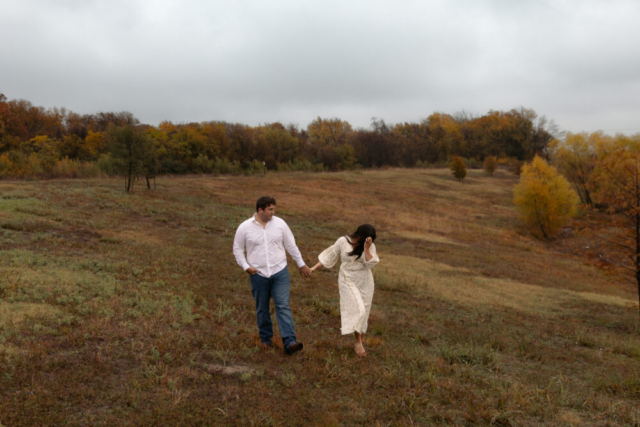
{"x":300,"y":165}
{"x":34,"y":166}
{"x":224,"y":166}
{"x":173,"y":166}
{"x":544,"y":197}
{"x":67,"y":168}
{"x":63,"y":168}
{"x":105,"y":164}
{"x":255,"y":167}
{"x":5,"y":166}
{"x":458,"y":167}
{"x":42,"y":165}
{"x":490,"y":164}
{"x":347,"y":156}
{"x":202,"y":164}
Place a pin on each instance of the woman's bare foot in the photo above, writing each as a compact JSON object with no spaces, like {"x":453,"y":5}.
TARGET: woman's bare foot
{"x":359,"y":348}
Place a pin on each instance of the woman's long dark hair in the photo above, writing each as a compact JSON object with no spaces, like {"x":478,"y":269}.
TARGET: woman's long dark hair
{"x":363,"y":231}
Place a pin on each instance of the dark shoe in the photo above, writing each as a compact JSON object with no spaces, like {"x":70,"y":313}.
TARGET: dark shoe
{"x":293,"y":348}
{"x":265,"y":345}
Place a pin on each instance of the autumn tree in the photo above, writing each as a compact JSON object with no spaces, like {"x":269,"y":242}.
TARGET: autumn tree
{"x":94,"y":143}
{"x":130,"y":150}
{"x":490,"y":164}
{"x":376,"y":147}
{"x":445,"y":137}
{"x":217,"y":144}
{"x":45,"y":151}
{"x":37,"y":120}
{"x":575,"y":158}
{"x":517,"y":133}
{"x":187,"y":143}
{"x":331,"y":140}
{"x":276,"y":145}
{"x":544,"y":198}
{"x":12,"y":129}
{"x":329,"y":132}
{"x":241,"y":141}
{"x":545,"y":131}
{"x":412,"y":143}
{"x":75,"y":124}
{"x":617,"y":172}
{"x":102,"y":121}
{"x":74,"y":147}
{"x":458,"y":167}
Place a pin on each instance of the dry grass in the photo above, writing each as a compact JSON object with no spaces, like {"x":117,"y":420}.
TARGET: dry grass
{"x":14,"y":314}
{"x":121,"y":309}
{"x":461,"y":285}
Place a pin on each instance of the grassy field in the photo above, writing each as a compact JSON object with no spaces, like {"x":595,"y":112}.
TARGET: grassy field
{"x":129,"y":309}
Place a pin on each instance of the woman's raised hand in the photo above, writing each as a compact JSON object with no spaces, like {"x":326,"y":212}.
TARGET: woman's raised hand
{"x":367,"y":243}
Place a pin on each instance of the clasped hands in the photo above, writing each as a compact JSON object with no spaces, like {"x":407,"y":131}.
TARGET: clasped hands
{"x":305,"y":270}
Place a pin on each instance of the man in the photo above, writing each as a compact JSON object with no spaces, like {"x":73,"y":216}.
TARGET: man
{"x":265,"y":238}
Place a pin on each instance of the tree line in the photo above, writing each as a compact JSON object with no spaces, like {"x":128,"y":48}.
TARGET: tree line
{"x":36,"y":141}
{"x":604,"y":171}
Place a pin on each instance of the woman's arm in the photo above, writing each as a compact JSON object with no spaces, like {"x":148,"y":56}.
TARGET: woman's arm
{"x":329,"y":257}
{"x":318,"y":265}
{"x":367,"y":247}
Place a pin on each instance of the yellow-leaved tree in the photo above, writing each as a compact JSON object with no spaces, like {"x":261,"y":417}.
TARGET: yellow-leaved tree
{"x":617,"y":174}
{"x":544,"y":198}
{"x":458,"y":167}
{"x":490,"y":164}
{"x":576,"y":158}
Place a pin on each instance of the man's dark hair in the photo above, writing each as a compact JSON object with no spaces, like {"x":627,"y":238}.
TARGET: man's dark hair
{"x":264,"y":202}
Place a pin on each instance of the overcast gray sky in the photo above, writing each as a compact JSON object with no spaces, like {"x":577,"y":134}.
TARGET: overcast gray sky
{"x":259,"y":61}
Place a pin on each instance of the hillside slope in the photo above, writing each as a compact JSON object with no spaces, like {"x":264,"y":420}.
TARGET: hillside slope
{"x":129,"y":309}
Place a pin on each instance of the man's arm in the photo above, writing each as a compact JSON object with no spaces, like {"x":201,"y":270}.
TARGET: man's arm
{"x":290,"y":246}
{"x":239,"y":243}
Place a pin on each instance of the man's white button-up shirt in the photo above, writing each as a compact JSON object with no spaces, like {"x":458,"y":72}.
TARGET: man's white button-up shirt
{"x":265,"y":246}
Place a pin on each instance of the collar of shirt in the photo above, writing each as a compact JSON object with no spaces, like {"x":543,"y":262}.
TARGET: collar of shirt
{"x":255,"y":221}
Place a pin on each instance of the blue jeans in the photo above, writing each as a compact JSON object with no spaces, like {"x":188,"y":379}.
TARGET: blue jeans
{"x":277,"y":286}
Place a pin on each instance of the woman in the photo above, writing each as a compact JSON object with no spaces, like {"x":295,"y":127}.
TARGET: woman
{"x":355,"y":281}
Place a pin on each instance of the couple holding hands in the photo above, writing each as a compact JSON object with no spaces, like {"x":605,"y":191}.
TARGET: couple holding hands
{"x":266,"y":237}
